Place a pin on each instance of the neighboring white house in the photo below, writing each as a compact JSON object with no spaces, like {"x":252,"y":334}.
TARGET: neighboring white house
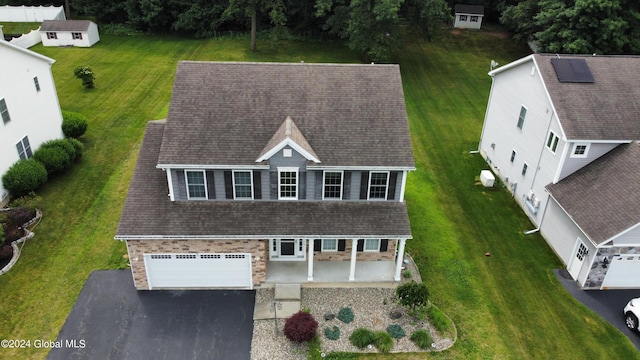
{"x":468,"y":16}
{"x":29,"y":106}
{"x":561,"y":133}
{"x":82,"y":33}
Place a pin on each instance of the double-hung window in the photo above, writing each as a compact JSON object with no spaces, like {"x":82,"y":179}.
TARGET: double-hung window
{"x":378,"y":183}
{"x":332,"y":185}
{"x":76,"y":36}
{"x":242,"y":185}
{"x":287,"y":183}
{"x":4,"y":111}
{"x":196,"y":184}
{"x":24,"y":149}
{"x":329,"y":245}
{"x":371,"y":244}
{"x":523,"y":114}
{"x":552,"y":142}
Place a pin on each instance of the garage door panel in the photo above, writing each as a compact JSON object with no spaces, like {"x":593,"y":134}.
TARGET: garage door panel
{"x":199,"y":270}
{"x":624,"y":273}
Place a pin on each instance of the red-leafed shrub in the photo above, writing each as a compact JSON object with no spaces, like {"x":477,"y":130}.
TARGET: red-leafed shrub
{"x":300,"y":327}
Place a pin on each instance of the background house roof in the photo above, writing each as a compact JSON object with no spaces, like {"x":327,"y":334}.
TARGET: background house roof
{"x":469,"y":9}
{"x":65,"y":25}
{"x":608,"y":108}
{"x":603,"y":197}
{"x":226,"y":113}
{"x":149,"y":212}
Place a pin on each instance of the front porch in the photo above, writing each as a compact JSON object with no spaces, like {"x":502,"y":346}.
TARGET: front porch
{"x":367,"y":273}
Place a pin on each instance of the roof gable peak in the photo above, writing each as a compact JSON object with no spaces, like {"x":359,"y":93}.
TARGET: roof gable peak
{"x":288,"y":134}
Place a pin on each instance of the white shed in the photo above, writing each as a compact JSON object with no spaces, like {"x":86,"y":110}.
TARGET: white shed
{"x":468,"y":16}
{"x":82,"y":33}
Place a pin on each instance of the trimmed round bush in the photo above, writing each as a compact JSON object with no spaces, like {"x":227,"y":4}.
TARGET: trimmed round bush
{"x":332,"y":333}
{"x":383,"y":341}
{"x":396,"y":331}
{"x":361,"y":337}
{"x":24,"y":177}
{"x":74,"y":124}
{"x":300,"y":327}
{"x":63,"y":144}
{"x":412,"y":294}
{"x":345,"y":315}
{"x":77,"y":145}
{"x":422,"y":339}
{"x":55,"y":159}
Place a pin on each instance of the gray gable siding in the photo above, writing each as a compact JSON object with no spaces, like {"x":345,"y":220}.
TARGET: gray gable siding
{"x":572,"y":165}
{"x":356,"y":177}
{"x":179,"y":184}
{"x":279,"y":161}
{"x":219,"y":183}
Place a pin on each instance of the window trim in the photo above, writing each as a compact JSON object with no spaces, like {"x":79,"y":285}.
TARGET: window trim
{"x":386,"y":186}
{"x":364,"y":245}
{"x":280,"y":185}
{"x":513,"y":156}
{"x":552,"y":142}
{"x":36,"y":82}
{"x":462,"y":18}
{"x":474,"y":18}
{"x":334,"y":249}
{"x":204,"y":184}
{"x":522,"y":117}
{"x":4,"y":111}
{"x":233,"y":179}
{"x":76,"y":35}
{"x":52,"y":35}
{"x":324,"y":184}
{"x":24,"y":152}
{"x":525,"y":167}
{"x":584,"y":154}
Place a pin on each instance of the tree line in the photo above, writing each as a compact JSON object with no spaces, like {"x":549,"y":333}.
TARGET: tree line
{"x":373,"y":27}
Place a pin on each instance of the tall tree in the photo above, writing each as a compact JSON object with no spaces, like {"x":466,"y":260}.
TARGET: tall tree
{"x":251,"y":8}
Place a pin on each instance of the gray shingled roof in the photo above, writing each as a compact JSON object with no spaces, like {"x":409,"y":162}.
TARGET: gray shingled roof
{"x":469,"y":9}
{"x":65,"y":25}
{"x":607,"y":109}
{"x":226,"y":113}
{"x":603,"y":197}
{"x":148,"y":210}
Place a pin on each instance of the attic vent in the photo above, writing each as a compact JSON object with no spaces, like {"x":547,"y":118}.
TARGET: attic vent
{"x":572,"y":70}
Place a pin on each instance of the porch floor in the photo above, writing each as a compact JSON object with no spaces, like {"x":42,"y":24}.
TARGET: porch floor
{"x":368,"y":273}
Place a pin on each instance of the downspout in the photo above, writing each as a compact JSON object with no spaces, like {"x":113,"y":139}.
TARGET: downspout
{"x":532,"y":231}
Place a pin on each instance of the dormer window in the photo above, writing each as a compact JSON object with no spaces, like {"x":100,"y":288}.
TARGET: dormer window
{"x":243,"y":185}
{"x":378,"y":182}
{"x":288,"y":183}
{"x":332,"y":185}
{"x":196,"y":188}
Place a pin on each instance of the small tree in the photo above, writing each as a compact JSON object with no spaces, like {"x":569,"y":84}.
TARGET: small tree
{"x":300,"y":327}
{"x":86,"y":75}
{"x":412,"y":295}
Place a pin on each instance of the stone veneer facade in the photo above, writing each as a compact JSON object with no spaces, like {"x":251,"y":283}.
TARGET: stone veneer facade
{"x":345,"y":255}
{"x":137,"y":249}
{"x":598,"y":272}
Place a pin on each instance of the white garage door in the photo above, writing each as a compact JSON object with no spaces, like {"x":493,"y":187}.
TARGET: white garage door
{"x":199,"y":270}
{"x":624,"y":272}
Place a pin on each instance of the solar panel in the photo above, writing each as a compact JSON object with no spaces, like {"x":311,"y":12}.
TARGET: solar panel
{"x":572,"y":70}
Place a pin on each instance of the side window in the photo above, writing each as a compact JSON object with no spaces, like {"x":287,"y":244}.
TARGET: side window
{"x":523,"y":114}
{"x":24,"y":148}
{"x":36,"y":83}
{"x":552,"y":142}
{"x":4,"y":111}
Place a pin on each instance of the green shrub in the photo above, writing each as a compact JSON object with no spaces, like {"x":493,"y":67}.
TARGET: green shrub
{"x":383,"y":341}
{"x":422,"y":339}
{"x":341,"y":355}
{"x":63,"y":144}
{"x":315,"y":350}
{"x":396,"y":331}
{"x":345,"y":315}
{"x":76,"y":145}
{"x":86,"y":75}
{"x":30,"y":201}
{"x":55,"y":159}
{"x":74,"y":124}
{"x":300,"y":327}
{"x":24,"y":177}
{"x":438,"y":319}
{"x":412,"y":294}
{"x":361,"y":337}
{"x":332,"y":333}
{"x":407,"y":274}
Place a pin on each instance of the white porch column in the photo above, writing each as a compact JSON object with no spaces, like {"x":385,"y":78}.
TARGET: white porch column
{"x":399,"y":259}
{"x":404,"y":185}
{"x":352,"y":269}
{"x":170,"y":181}
{"x":310,"y":243}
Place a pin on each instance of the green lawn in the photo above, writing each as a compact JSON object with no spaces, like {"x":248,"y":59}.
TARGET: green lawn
{"x":506,"y":306}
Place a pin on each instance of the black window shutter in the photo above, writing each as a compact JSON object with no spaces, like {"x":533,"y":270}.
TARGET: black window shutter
{"x":228,"y":184}
{"x":342,"y":244}
{"x":257,"y":184}
{"x":346,"y":185}
{"x":211,"y":187}
{"x":317,"y":245}
{"x":384,"y":245}
{"x":360,"y":245}
{"x":364,"y":185}
{"x":393,"y":179}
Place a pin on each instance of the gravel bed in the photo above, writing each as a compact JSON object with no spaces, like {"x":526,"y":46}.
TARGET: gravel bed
{"x":371,"y":307}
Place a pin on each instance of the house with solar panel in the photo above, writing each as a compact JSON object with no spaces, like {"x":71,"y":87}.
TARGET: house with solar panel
{"x":561,"y":133}
{"x":266,"y":173}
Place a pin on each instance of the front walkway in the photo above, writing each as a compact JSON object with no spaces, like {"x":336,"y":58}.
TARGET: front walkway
{"x":336,"y":272}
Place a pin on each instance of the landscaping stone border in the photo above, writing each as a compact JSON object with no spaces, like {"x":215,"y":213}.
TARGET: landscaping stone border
{"x":14,"y":245}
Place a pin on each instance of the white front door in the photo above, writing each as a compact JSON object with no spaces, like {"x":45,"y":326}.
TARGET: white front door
{"x":287,"y":250}
{"x":575,"y":265}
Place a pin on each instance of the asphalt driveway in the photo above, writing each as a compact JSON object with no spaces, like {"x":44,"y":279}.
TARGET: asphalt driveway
{"x":606,"y":303}
{"x":112,"y":320}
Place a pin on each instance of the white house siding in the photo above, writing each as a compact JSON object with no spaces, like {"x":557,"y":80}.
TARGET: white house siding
{"x":35,"y":114}
{"x":65,"y":38}
{"x":629,"y":237}
{"x":468,"y":24}
{"x":521,"y":86}
{"x":572,"y":165}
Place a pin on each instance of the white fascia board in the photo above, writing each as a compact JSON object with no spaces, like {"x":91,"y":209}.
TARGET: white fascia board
{"x":511,"y":65}
{"x":28,"y":52}
{"x":592,"y":141}
{"x":256,"y":237}
{"x":211,"y":167}
{"x":362,"y":168}
{"x":292,"y":144}
{"x":613,"y":238}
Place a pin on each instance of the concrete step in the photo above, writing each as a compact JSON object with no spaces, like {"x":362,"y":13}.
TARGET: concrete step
{"x":284,"y":310}
{"x":287,"y":292}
